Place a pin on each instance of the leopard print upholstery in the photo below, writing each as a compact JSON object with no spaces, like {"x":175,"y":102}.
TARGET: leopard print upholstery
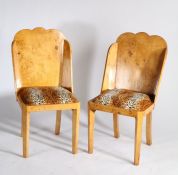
{"x":46,"y":95}
{"x":126,"y":99}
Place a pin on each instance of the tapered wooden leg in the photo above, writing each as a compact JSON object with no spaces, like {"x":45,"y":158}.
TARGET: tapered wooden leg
{"x":58,"y":122}
{"x":91,"y":120}
{"x":21,"y":125}
{"x":25,"y":133}
{"x":75,"y":130}
{"x":138,"y":137}
{"x":115,"y":125}
{"x":149,"y":128}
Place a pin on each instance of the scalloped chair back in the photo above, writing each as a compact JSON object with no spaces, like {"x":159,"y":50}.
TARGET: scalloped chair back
{"x":38,"y":58}
{"x":135,"y":63}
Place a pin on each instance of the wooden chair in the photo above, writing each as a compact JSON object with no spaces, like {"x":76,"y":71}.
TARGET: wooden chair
{"x":130,"y":84}
{"x":43,"y":78}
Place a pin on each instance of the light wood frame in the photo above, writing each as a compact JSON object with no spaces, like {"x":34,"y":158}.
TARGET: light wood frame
{"x":138,"y":46}
{"x":56,"y":70}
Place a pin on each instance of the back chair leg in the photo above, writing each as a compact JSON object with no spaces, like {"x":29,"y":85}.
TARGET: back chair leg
{"x":115,"y":125}
{"x":75,"y":129}
{"x":138,"y":137}
{"x":25,"y":133}
{"x":21,"y":134}
{"x":58,"y":122}
{"x":149,"y":128}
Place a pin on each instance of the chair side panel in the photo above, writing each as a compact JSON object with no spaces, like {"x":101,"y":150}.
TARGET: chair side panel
{"x":110,"y":68}
{"x":67,"y":75}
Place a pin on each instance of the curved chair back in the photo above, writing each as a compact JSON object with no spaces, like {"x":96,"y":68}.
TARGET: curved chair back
{"x":135,"y":62}
{"x":41,"y":58}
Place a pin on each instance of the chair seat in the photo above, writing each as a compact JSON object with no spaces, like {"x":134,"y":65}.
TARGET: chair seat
{"x":122,"y":98}
{"x":46,"y":95}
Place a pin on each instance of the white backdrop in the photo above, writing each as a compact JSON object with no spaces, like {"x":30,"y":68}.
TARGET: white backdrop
{"x":91,"y":26}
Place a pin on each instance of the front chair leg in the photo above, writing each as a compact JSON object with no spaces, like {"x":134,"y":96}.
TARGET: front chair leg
{"x":75,"y":129}
{"x":91,"y":121}
{"x":138,"y":137}
{"x":149,"y":128}
{"x":25,"y":132}
{"x":115,"y":125}
{"x":58,"y":122}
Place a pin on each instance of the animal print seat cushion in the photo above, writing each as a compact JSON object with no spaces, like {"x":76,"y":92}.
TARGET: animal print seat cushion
{"x":46,"y":95}
{"x":125,"y":99}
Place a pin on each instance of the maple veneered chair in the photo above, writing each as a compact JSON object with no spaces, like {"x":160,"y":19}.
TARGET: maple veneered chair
{"x":130,"y":84}
{"x":43,"y":78}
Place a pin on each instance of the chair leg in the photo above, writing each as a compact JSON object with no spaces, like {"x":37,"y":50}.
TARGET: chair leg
{"x":58,"y":122}
{"x":115,"y":125}
{"x":75,"y":130}
{"x":149,"y":129}
{"x":25,"y":133}
{"x":138,"y":137}
{"x":91,"y":121}
{"x":21,"y":134}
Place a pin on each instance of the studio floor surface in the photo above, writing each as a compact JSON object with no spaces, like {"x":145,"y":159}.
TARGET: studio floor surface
{"x":51,"y":154}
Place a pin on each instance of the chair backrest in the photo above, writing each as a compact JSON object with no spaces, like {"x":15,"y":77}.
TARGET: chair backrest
{"x":135,"y":62}
{"x":41,"y":58}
